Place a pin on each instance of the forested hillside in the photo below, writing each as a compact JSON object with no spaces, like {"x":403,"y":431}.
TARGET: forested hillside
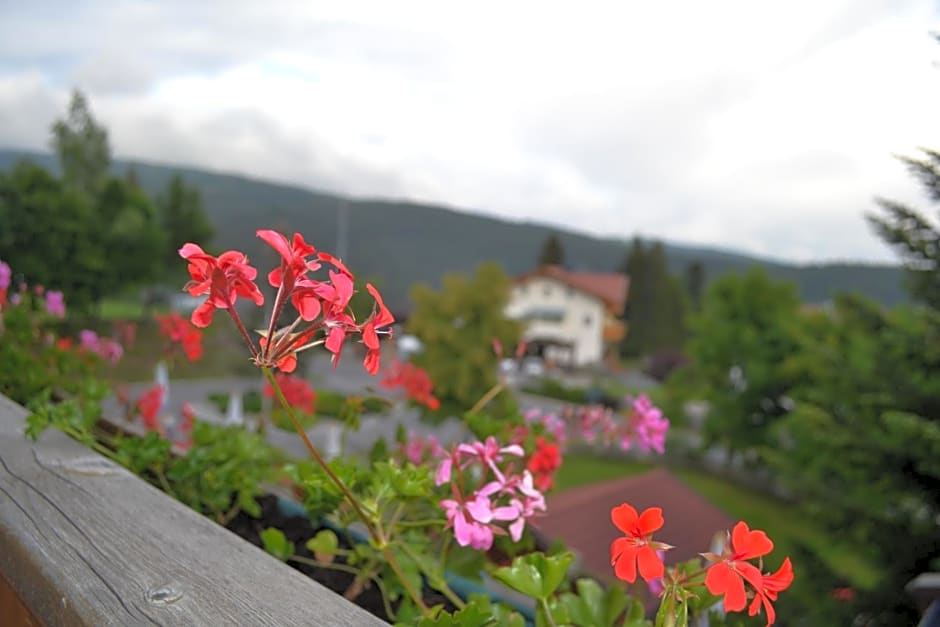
{"x":400,"y":243}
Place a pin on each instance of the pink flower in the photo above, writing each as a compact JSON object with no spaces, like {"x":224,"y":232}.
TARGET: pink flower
{"x":110,"y":350}
{"x":55,"y":303}
{"x":417,"y":448}
{"x":648,"y":425}
{"x":489,"y":453}
{"x":89,"y":340}
{"x":471,"y":520}
{"x":5,"y":276}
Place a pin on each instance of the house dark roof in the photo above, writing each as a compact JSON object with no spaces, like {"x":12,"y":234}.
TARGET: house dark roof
{"x":611,"y":288}
{"x":581,"y":518}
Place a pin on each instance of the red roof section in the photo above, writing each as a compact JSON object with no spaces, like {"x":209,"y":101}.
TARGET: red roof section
{"x":581,"y":518}
{"x":611,"y":288}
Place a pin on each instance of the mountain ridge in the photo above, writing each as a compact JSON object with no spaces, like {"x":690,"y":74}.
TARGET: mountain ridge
{"x":399,"y":242}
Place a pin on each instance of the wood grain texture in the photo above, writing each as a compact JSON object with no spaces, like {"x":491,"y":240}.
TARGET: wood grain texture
{"x":84,"y":542}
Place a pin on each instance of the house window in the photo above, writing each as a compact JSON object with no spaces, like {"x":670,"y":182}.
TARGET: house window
{"x":523,"y":288}
{"x":570,"y":292}
{"x":547,"y":290}
{"x":588,"y":320}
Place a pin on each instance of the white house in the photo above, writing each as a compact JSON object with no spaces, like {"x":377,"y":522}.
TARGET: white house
{"x":570,"y":317}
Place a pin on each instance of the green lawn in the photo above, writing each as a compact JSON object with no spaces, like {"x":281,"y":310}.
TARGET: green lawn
{"x":584,"y":469}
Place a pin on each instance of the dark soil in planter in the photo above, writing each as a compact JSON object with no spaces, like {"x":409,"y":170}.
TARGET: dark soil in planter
{"x":298,"y":530}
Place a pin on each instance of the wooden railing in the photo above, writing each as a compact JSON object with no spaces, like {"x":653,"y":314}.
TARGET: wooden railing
{"x":85,"y":542}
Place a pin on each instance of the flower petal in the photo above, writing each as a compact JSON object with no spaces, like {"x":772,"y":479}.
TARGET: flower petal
{"x":721,"y":579}
{"x":651,"y":567}
{"x":650,"y":520}
{"x":624,"y":517}
{"x":750,"y":544}
{"x":625,"y":568}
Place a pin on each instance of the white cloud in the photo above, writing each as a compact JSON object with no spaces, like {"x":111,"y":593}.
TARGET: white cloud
{"x":746,"y":125}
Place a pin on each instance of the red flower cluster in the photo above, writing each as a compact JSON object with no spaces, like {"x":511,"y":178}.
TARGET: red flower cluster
{"x":321,"y":304}
{"x":148,"y":406}
{"x":223,"y":278}
{"x":731,"y":569}
{"x":544,"y":462}
{"x":181,"y":334}
{"x":297,"y":392}
{"x":414,"y":380}
{"x":727,"y":573}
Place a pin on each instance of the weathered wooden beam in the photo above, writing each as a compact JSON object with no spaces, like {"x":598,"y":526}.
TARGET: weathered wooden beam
{"x":85,"y":542}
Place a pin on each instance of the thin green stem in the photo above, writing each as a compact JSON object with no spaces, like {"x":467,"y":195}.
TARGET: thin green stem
{"x":486,"y":398}
{"x":244,"y":332}
{"x":548,"y":614}
{"x":437,"y":578}
{"x":426,"y":522}
{"x":377,"y":537}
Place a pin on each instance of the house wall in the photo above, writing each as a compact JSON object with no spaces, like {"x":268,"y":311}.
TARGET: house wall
{"x":582,"y":322}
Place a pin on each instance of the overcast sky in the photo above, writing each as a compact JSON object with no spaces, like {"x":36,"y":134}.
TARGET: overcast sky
{"x":760,"y":126}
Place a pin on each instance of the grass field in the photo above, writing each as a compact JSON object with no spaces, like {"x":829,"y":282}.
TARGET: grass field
{"x":585,"y":469}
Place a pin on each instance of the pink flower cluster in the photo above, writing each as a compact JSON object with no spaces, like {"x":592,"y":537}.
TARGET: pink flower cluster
{"x":505,"y":497}
{"x":419,"y":449}
{"x":642,"y":424}
{"x":104,"y":347}
{"x":55,"y":303}
{"x":5,"y":276}
{"x":553,"y":424}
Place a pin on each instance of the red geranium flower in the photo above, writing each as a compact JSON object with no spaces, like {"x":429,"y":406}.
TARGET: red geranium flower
{"x":543,"y":463}
{"x":181,"y":333}
{"x":223,"y":279}
{"x":148,"y":405}
{"x":415,"y":381}
{"x":293,"y":270}
{"x":297,"y":392}
{"x":637,"y":548}
{"x":771,"y":586}
{"x":381,"y":317}
{"x":727,"y":576}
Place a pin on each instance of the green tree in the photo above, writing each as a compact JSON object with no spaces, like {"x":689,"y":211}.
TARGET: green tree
{"x":552,"y":253}
{"x":695,"y":283}
{"x":49,"y":234}
{"x":912,"y":234}
{"x":742,"y":343}
{"x":861,"y":449}
{"x":457,"y":325}
{"x":655,"y":310}
{"x":129,"y":230}
{"x":82,"y":147}
{"x":183,"y":219}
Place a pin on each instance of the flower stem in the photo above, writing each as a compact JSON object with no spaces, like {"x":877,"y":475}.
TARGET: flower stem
{"x":440,"y":584}
{"x":486,"y":398}
{"x":548,"y":614}
{"x":377,"y":538}
{"x":241,"y":329}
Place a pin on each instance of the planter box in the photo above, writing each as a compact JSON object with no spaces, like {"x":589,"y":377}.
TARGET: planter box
{"x":85,"y":542}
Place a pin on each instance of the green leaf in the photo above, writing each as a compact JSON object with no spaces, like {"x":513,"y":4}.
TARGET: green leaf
{"x":535,"y":574}
{"x":477,"y":612}
{"x":276,"y":543}
{"x":323,"y":545}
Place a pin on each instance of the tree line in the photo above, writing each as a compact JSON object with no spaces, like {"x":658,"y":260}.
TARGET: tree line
{"x":86,"y":231}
